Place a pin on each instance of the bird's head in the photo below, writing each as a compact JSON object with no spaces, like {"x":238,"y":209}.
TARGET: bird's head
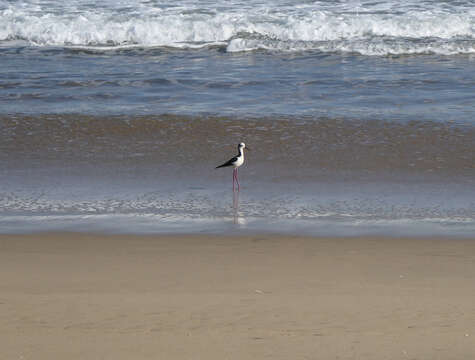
{"x":242,"y":146}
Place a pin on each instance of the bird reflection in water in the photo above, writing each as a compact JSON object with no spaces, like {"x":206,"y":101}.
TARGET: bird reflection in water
{"x":237,"y":219}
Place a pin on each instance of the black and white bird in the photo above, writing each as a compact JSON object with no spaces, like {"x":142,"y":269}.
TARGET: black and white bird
{"x":236,"y":162}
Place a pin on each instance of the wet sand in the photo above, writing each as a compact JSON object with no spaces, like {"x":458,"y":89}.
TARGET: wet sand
{"x":325,"y":145}
{"x":251,"y":297}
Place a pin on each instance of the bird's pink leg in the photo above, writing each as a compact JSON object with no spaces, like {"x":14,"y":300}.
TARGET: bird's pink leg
{"x":237,"y":178}
{"x":234,"y":176}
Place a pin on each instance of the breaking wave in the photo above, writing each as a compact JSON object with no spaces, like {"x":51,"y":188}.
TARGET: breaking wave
{"x":362,"y":28}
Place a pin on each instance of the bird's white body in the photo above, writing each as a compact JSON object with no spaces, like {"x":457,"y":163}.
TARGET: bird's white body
{"x":239,"y":159}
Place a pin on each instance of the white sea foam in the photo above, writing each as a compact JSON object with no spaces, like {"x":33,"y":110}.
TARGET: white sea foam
{"x":362,"y":27}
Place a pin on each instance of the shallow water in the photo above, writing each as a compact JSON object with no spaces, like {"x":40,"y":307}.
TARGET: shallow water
{"x":211,"y":82}
{"x":319,"y":176}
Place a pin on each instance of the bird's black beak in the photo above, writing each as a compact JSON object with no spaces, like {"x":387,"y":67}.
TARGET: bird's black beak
{"x":247,"y":148}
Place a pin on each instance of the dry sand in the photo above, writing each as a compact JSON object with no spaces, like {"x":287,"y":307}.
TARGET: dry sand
{"x":65,"y":296}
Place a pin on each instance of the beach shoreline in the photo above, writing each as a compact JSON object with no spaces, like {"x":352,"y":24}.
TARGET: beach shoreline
{"x":314,"y":176}
{"x":253,"y":296}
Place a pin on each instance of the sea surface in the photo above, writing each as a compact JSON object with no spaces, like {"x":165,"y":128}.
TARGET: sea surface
{"x":360,"y":116}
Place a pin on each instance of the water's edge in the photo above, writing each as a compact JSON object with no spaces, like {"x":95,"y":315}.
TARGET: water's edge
{"x":306,"y":176}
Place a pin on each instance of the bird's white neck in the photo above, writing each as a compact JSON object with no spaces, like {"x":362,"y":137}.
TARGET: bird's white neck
{"x":241,"y":152}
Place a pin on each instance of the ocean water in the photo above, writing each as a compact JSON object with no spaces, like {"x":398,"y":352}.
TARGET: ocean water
{"x":360,"y":115}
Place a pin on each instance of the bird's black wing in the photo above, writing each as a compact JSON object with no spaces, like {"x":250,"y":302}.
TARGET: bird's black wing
{"x":228,"y":163}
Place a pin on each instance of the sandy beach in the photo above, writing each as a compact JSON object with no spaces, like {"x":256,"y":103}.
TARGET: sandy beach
{"x":76,"y":296}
